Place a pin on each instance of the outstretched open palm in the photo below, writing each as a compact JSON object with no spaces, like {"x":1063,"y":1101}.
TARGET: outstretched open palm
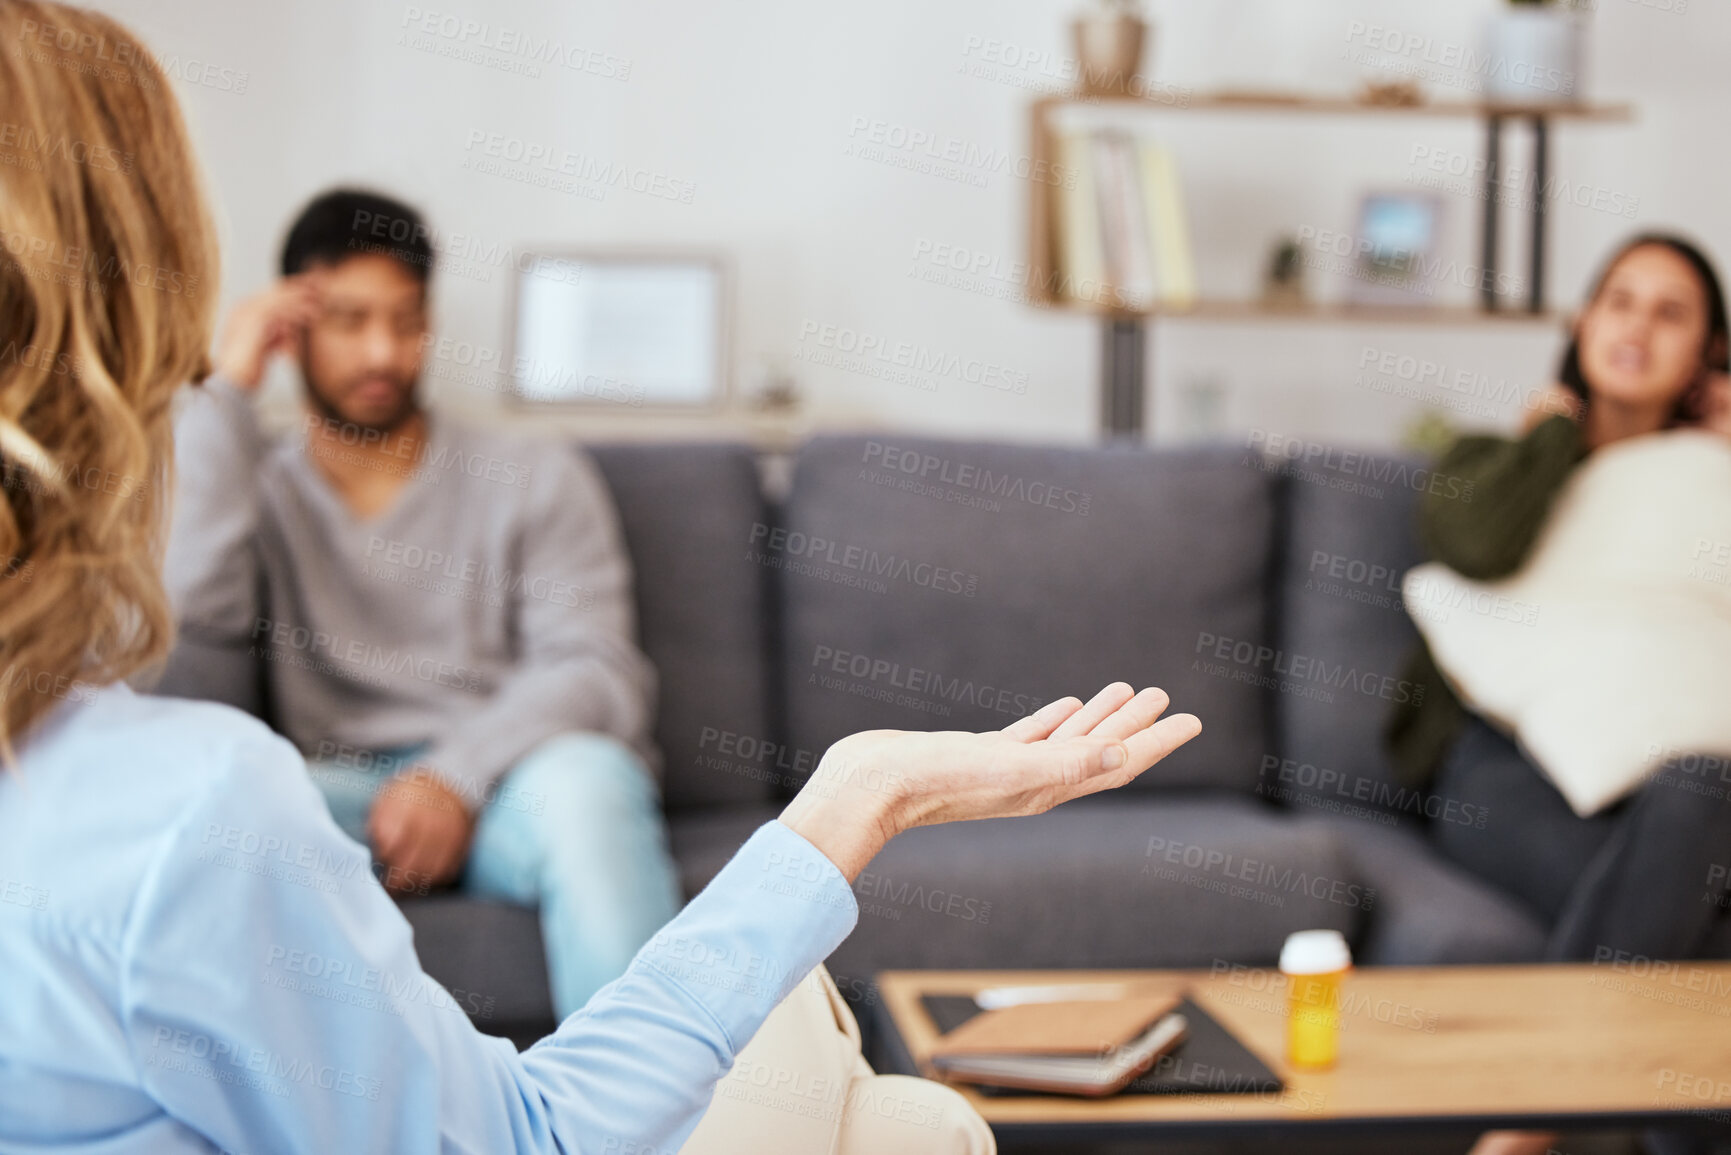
{"x":872,"y":785}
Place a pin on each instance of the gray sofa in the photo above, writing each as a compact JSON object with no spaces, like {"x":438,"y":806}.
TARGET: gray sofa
{"x":931,"y":584}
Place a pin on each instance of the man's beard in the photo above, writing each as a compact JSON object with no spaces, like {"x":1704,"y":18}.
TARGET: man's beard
{"x":322,"y":407}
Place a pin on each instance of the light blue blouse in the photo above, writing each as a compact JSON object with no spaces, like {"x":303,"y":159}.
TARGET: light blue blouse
{"x":193,"y":957}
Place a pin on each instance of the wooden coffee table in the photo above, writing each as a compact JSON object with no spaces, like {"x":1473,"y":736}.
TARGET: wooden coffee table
{"x":1624,"y":1044}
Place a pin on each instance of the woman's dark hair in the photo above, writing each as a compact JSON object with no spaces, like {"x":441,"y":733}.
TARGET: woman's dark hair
{"x":344,"y":223}
{"x":1718,"y":347}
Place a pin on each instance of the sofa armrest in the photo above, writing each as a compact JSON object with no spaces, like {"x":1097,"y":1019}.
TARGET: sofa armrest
{"x":1658,"y":886}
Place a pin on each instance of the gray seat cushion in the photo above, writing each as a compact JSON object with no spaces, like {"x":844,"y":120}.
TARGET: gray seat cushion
{"x":1127,"y":881}
{"x":956,"y":585}
{"x":703,"y":614}
{"x":1349,"y":536}
{"x":489,"y":956}
{"x":703,"y":840}
{"x":1429,"y":911}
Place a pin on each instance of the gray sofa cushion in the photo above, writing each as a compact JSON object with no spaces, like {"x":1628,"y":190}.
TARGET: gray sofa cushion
{"x":703,"y":840}
{"x":955,"y":585}
{"x":1348,"y":536}
{"x":1429,"y":912}
{"x":1126,"y":881}
{"x":703,"y":614}
{"x":489,"y":957}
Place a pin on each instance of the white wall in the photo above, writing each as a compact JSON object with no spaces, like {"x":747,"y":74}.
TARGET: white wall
{"x":753,"y":101}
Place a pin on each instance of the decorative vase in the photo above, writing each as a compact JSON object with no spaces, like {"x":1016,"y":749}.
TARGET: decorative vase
{"x":1533,"y":55}
{"x":1109,"y":43}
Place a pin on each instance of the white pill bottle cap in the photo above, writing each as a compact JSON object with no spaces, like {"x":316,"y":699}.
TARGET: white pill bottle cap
{"x":1315,"y":952}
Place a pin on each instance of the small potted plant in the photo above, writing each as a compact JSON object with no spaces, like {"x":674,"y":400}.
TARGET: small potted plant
{"x":1109,"y":38}
{"x":1533,"y":52}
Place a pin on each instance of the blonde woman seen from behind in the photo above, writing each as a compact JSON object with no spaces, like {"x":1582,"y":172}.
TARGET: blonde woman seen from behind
{"x":163,"y":863}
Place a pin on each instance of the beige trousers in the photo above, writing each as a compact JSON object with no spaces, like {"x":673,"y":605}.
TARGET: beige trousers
{"x":801,"y":1087}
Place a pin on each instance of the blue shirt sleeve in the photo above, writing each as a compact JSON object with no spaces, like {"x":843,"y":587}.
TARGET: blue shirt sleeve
{"x":272,"y":1001}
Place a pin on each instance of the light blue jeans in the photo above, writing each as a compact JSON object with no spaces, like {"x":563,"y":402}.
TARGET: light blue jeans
{"x":574,"y":830}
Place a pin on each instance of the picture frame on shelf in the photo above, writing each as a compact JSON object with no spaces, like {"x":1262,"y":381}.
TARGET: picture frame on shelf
{"x":1397,"y":237}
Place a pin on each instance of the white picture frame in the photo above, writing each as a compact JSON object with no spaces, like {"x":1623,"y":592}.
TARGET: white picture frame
{"x":619,"y":328}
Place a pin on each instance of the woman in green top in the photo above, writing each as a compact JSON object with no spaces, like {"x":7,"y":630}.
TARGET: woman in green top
{"x":1649,"y":353}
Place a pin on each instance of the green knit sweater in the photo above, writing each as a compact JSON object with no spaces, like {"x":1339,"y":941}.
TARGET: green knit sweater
{"x":1512,"y":483}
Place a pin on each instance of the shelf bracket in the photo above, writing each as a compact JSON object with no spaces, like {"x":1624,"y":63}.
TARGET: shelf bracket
{"x":1123,"y":376}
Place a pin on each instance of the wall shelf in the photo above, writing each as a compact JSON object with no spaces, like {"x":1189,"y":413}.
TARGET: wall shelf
{"x":1125,"y":332}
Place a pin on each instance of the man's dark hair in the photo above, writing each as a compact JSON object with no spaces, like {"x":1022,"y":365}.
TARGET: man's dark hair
{"x":346,"y":223}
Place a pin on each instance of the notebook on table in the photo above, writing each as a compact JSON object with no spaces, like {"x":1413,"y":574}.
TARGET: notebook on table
{"x":1076,"y":1048}
{"x":1207,"y":1059}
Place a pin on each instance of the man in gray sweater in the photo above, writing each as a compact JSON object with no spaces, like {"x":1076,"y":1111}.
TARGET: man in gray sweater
{"x":445,"y":613}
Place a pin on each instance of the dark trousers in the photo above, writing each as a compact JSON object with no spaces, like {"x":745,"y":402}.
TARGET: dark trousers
{"x":1646,"y":876}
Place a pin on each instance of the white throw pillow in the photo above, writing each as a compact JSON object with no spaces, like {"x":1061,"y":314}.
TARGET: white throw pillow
{"x":1609,"y":651}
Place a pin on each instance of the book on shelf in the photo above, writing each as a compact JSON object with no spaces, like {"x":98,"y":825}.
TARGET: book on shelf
{"x":1121,"y":232}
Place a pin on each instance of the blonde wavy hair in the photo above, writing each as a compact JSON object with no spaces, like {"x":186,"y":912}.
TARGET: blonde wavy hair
{"x":107,"y":287}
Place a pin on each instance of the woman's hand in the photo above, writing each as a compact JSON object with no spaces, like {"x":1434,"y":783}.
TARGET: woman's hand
{"x":873,"y":785}
{"x":1716,"y":404}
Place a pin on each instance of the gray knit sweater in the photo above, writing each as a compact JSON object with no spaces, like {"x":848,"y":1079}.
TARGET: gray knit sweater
{"x":487,"y":609}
